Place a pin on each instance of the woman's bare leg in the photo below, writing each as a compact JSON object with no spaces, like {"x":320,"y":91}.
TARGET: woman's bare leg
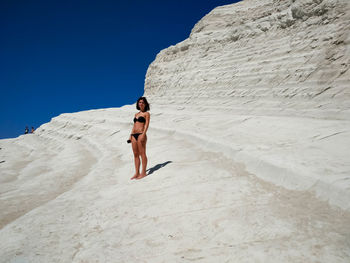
{"x":136,"y":157}
{"x":141,"y":143}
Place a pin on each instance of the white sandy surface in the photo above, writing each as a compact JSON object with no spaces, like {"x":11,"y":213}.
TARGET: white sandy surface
{"x":195,"y":205}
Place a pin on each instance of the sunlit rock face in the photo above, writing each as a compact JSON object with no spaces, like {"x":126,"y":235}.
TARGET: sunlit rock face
{"x":263,"y":57}
{"x":268,"y":83}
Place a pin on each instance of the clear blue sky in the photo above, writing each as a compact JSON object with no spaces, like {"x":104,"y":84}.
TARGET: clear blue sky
{"x":68,"y":56}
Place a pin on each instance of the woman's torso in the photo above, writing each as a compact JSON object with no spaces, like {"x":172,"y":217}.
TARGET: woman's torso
{"x":139,"y":122}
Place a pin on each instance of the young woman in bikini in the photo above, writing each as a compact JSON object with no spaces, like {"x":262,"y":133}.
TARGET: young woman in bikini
{"x":138,"y":136}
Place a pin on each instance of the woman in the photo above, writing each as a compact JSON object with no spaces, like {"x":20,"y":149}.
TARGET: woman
{"x":138,"y":136}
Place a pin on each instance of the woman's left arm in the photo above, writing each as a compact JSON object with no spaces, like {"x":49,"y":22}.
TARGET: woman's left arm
{"x":148,"y":117}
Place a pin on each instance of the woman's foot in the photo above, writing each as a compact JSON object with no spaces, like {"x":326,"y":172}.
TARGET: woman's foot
{"x":135,"y":176}
{"x":141,"y":176}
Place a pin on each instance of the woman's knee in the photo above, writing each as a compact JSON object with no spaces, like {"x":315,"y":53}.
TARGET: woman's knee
{"x":142,"y":151}
{"x":136,"y":154}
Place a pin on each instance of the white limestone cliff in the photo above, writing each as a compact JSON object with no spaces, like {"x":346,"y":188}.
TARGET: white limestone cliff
{"x":273,"y":78}
{"x":288,"y":58}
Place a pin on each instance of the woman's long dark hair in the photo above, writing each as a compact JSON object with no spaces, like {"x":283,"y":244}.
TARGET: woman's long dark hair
{"x":147,"y":108}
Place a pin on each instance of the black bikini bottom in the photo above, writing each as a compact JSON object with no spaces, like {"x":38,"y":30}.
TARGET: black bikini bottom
{"x":136,"y":135}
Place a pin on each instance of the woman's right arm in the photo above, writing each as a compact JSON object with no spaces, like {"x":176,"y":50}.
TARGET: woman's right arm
{"x":132,"y":130}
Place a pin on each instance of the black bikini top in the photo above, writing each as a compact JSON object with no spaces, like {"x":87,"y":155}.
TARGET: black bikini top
{"x":140,"y":119}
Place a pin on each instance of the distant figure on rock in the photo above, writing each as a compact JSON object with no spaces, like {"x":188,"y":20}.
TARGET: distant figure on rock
{"x":32,"y":131}
{"x":26,"y":130}
{"x":138,"y":137}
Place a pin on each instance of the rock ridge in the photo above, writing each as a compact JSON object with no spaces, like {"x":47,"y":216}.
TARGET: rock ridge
{"x":282,"y":66}
{"x":269,"y":57}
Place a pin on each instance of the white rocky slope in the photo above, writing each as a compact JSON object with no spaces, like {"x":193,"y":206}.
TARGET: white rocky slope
{"x":65,"y":193}
{"x":273,"y":78}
